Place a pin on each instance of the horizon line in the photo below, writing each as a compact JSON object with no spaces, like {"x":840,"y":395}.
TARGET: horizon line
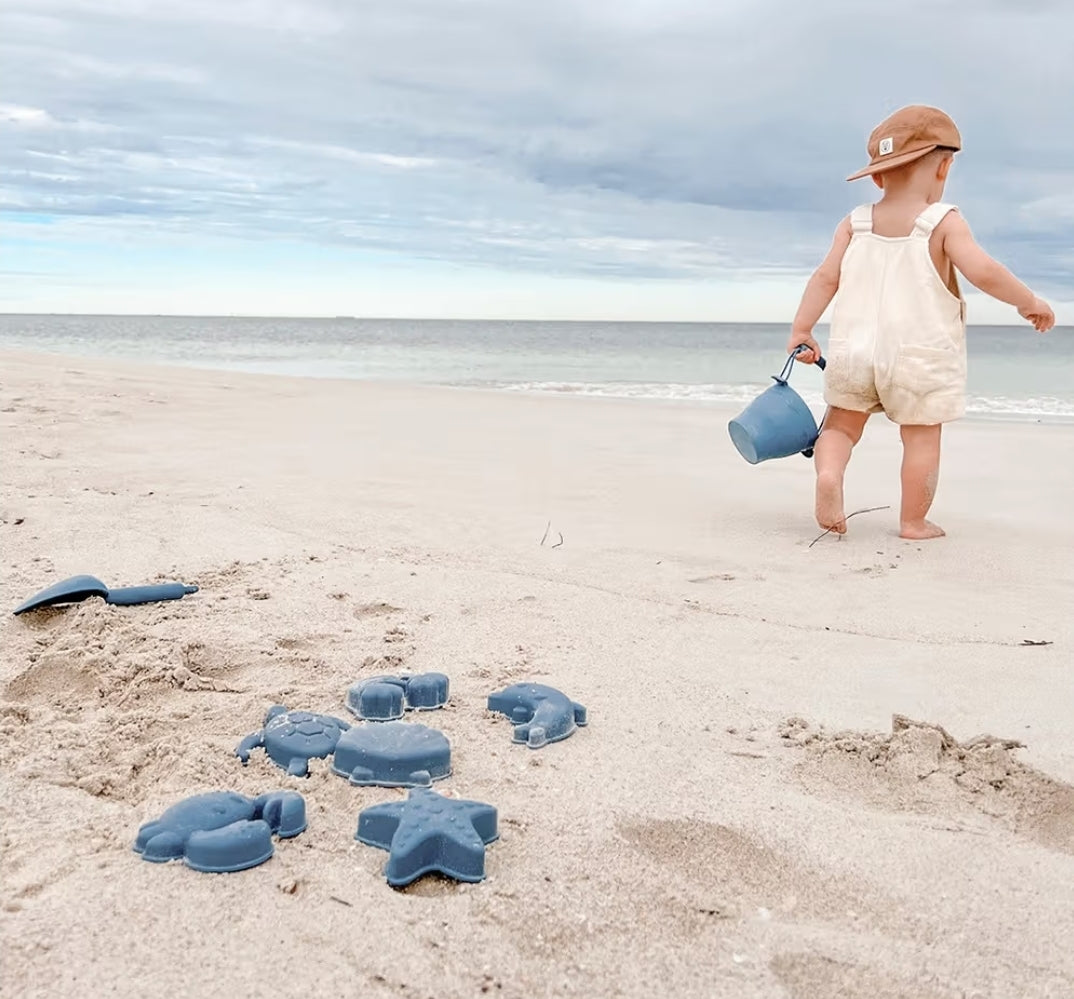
{"x":435,"y":319}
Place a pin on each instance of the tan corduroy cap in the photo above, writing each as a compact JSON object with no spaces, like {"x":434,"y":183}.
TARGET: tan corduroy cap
{"x":907,"y":135}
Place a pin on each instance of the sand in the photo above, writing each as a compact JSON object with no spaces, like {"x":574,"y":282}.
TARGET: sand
{"x":809,"y":772}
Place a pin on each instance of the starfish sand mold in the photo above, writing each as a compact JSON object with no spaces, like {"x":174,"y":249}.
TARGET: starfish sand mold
{"x":429,"y":832}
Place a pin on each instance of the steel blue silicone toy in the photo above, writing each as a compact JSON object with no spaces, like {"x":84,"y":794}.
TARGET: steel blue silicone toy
{"x":392,"y":754}
{"x":777,"y":423}
{"x":76,"y":588}
{"x":385,"y":698}
{"x":429,"y":832}
{"x":292,"y":738}
{"x":541,"y":714}
{"x":221,"y":831}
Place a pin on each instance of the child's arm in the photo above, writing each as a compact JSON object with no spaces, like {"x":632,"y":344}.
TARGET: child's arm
{"x":818,"y":295}
{"x":989,"y":275}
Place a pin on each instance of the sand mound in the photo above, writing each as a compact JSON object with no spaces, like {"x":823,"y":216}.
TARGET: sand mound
{"x":96,"y":654}
{"x":920,"y":766}
{"x":103,"y":703}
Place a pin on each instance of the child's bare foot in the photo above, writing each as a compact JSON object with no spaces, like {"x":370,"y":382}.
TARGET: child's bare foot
{"x":921,"y":530}
{"x":829,"y":508}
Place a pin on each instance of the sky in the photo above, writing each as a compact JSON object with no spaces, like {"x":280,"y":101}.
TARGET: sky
{"x":568,"y":159}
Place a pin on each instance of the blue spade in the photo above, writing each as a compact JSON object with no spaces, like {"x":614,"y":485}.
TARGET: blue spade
{"x":70,"y":591}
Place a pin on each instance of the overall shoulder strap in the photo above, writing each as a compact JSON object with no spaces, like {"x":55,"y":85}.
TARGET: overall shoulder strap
{"x":931,"y":217}
{"x":861,"y":219}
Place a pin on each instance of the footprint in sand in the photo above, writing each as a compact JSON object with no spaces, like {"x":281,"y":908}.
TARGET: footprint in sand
{"x":807,"y":976}
{"x":385,"y":664}
{"x":739,"y":874}
{"x":376,"y":609}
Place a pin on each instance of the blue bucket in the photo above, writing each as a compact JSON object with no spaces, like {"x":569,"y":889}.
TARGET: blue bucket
{"x":777,"y":423}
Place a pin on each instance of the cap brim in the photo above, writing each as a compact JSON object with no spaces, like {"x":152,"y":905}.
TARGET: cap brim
{"x":890,"y":163}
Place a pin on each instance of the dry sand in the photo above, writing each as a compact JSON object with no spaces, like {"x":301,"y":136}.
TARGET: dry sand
{"x":738,"y":819}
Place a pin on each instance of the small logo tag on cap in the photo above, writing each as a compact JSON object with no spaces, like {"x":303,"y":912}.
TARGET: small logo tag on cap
{"x":886,"y":146}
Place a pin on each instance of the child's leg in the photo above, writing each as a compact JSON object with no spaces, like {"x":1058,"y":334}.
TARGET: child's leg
{"x":841,"y":431}
{"x":920,"y":473}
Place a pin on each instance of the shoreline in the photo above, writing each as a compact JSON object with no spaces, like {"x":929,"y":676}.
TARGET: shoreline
{"x":718,"y":405}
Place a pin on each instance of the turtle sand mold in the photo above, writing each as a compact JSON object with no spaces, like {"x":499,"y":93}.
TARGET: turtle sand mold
{"x":921,"y":767}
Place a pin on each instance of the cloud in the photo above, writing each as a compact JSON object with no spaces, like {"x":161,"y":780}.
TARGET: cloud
{"x":637,"y":139}
{"x":19,"y":117}
{"x":315,"y":149}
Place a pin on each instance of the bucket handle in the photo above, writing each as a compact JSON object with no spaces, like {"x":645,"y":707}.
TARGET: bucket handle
{"x":786,"y":372}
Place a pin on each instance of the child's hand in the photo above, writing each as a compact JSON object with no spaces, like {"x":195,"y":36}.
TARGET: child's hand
{"x":804,"y":338}
{"x":1040,"y":315}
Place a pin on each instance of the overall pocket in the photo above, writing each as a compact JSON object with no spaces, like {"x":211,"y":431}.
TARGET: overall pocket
{"x":922,"y":370}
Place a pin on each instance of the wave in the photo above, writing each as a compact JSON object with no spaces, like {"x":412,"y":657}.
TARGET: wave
{"x":742,"y":393}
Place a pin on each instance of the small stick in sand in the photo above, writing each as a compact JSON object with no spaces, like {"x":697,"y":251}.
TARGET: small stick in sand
{"x":560,"y":541}
{"x":341,"y":901}
{"x":548,"y":527}
{"x":871,"y":509}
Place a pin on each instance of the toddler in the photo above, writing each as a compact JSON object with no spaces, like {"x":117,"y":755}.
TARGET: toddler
{"x":898,"y":327}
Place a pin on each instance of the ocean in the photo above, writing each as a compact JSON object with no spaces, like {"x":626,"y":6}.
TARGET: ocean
{"x":1014,"y":373}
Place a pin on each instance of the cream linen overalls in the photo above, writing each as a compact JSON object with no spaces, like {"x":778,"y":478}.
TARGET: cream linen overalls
{"x":898,"y":334}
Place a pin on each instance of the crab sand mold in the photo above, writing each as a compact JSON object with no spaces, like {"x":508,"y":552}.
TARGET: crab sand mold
{"x":222,"y":831}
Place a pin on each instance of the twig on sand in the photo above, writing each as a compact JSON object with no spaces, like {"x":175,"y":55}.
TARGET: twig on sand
{"x":1030,"y":641}
{"x":871,"y":509}
{"x":341,"y":901}
{"x":546,"y":530}
{"x":560,"y":541}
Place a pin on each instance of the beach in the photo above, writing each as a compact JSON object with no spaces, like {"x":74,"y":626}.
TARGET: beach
{"x":840,"y":769}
